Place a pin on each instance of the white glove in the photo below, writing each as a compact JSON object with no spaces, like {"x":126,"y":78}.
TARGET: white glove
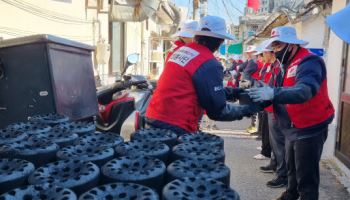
{"x":265,"y":93}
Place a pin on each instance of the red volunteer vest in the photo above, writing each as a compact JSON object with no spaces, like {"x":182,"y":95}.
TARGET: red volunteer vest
{"x":177,"y":44}
{"x":272,"y":69}
{"x":314,"y":111}
{"x":255,"y":75}
{"x":175,"y":100}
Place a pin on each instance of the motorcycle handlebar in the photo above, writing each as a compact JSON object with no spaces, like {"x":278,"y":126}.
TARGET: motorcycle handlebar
{"x":118,"y":86}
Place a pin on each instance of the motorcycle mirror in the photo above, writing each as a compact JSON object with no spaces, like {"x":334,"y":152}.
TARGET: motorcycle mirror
{"x":130,"y":60}
{"x":133,"y":58}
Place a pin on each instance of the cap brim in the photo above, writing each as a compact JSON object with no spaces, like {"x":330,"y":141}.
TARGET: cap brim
{"x":339,"y":24}
{"x":285,"y":40}
{"x":185,"y":34}
{"x":250,"y":51}
{"x":264,"y":50}
{"x":215,"y":35}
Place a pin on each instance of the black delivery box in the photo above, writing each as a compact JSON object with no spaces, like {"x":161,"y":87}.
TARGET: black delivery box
{"x":43,"y":74}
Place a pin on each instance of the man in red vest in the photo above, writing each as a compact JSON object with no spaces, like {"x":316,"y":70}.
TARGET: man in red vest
{"x":302,"y":108}
{"x":192,"y":82}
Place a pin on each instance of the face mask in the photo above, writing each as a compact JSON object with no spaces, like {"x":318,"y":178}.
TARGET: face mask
{"x":283,"y":55}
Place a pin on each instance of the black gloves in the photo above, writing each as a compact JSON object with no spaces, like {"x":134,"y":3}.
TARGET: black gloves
{"x":232,"y":94}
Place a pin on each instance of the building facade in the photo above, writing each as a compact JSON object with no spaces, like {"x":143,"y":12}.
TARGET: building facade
{"x":88,"y":22}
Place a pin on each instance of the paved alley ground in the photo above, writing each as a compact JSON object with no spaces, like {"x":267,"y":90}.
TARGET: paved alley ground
{"x":246,"y":178}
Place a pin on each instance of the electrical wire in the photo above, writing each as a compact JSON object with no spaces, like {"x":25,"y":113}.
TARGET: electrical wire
{"x":9,"y":33}
{"x":53,"y":13}
{"x":26,"y":32}
{"x":242,"y":2}
{"x":227,"y":12}
{"x":47,"y":14}
{"x":189,"y":6}
{"x":19,"y":33}
{"x":234,"y":7}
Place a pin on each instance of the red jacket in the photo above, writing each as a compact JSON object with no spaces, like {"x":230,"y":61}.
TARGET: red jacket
{"x":314,"y":111}
{"x":175,"y":100}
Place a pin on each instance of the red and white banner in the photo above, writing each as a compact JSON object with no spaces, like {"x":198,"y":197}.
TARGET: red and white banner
{"x":254,"y":4}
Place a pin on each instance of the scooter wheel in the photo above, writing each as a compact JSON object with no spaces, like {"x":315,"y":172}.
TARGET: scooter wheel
{"x":76,"y":175}
{"x":120,"y":191}
{"x":101,"y":139}
{"x":31,"y":150}
{"x":79,"y":127}
{"x":14,"y":173}
{"x":9,"y":135}
{"x":198,"y":150}
{"x":136,"y":169}
{"x":40,"y":192}
{"x":202,"y":137}
{"x":87,"y":152}
{"x":199,"y":168}
{"x":155,"y":134}
{"x":62,"y":137}
{"x":50,"y":119}
{"x":191,"y":188}
{"x":157,"y":150}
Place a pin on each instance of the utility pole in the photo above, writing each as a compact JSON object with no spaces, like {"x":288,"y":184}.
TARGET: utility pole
{"x":204,"y":8}
{"x":195,"y":9}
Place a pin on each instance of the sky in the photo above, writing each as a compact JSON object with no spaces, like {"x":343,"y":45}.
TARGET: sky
{"x":228,"y":9}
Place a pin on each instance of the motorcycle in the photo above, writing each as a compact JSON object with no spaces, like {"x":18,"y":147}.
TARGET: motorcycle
{"x":123,"y":104}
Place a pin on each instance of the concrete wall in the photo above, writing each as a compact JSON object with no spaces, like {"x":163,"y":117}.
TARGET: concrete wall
{"x":334,"y":57}
{"x":313,"y":31}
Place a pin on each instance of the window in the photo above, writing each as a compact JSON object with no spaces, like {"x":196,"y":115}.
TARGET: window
{"x":91,"y":4}
{"x":117,"y":38}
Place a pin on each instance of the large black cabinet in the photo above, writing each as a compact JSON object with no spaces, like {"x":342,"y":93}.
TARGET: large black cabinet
{"x":43,"y":74}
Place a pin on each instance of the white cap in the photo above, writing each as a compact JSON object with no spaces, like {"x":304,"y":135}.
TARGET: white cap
{"x":339,"y":24}
{"x":250,"y":48}
{"x":216,"y":26}
{"x":264,"y":47}
{"x":286,"y":34}
{"x":186,"y":28}
{"x":257,"y":53}
{"x":236,"y":57}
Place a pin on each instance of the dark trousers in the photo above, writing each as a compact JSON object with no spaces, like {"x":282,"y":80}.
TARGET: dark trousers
{"x":277,"y":141}
{"x":151,"y":123}
{"x":263,"y":129}
{"x":303,"y":157}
